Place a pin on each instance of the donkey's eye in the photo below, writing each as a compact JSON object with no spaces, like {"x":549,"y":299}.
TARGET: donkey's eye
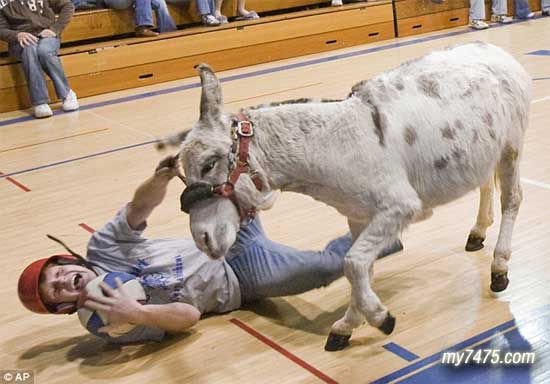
{"x":207,"y":168}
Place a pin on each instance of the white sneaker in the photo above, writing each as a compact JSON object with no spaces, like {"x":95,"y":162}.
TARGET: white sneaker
{"x":71,"y":102}
{"x":42,"y":110}
{"x":502,"y":19}
{"x":478,"y":24}
{"x":336,"y":3}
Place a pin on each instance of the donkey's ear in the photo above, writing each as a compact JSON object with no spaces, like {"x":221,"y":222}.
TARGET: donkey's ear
{"x":211,"y":96}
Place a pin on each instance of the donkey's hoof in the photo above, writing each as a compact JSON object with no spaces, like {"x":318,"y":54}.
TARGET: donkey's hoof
{"x":388,"y":325}
{"x":336,"y":342}
{"x":474,"y":243}
{"x":394,"y":248}
{"x":499,"y":281}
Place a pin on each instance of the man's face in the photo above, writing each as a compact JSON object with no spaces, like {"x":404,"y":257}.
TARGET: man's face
{"x":64,"y":283}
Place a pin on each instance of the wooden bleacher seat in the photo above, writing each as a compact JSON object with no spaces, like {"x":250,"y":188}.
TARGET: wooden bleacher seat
{"x":132,"y":62}
{"x":414,"y":17}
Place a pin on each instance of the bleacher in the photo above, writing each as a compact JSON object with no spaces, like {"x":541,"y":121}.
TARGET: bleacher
{"x":100,"y":54}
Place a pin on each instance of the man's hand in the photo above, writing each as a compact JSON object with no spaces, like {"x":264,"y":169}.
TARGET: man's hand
{"x":117,"y":305}
{"x":47,"y":33}
{"x":169,"y":167}
{"x":26,"y":39}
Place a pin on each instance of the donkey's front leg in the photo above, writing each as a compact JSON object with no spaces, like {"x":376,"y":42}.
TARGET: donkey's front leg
{"x":382,"y":231}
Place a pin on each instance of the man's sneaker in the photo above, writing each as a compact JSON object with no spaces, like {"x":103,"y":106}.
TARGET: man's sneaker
{"x":42,"y":110}
{"x":545,"y":12}
{"x":502,"y":19}
{"x":71,"y":102}
{"x":478,"y":24}
{"x":336,"y":3}
{"x":210,"y":20}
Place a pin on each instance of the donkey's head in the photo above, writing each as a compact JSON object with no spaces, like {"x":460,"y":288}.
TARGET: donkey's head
{"x":207,"y":163}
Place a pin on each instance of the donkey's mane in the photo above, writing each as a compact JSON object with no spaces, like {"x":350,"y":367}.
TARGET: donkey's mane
{"x":302,"y":100}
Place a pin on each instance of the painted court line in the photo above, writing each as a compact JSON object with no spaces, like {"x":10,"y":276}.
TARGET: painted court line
{"x":535,"y":183}
{"x":78,"y":158}
{"x":53,"y":140}
{"x":15,"y":182}
{"x":540,"y":100}
{"x":283,"y":351}
{"x":86,"y":227}
{"x":400,"y":351}
{"x":437,"y":356}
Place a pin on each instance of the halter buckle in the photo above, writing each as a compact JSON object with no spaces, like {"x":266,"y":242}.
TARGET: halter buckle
{"x":245,"y":128}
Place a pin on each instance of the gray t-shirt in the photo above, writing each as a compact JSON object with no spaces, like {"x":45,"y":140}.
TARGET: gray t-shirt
{"x":170,"y":270}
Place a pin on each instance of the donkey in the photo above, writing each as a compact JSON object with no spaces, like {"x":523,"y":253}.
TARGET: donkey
{"x":400,"y":144}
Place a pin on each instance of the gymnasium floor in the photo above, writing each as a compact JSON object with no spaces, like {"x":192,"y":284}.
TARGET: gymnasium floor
{"x":68,"y":175}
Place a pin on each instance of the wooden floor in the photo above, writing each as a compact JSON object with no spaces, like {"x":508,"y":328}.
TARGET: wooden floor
{"x":73,"y":171}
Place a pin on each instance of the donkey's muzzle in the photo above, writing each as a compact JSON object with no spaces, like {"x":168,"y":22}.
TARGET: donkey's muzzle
{"x":194,"y":193}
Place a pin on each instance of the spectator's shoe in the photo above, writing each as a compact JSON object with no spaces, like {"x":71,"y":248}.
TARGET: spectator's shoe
{"x":210,"y":21}
{"x":42,"y":110}
{"x":145,"y":31}
{"x":222,"y":19}
{"x":336,"y":3}
{"x":71,"y":102}
{"x":530,"y":15}
{"x":545,"y":12}
{"x":252,"y":15}
{"x":478,"y":24}
{"x":502,"y":19}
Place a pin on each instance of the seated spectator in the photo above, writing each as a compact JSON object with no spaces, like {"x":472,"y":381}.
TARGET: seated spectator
{"x":524,"y":12}
{"x":242,"y":12}
{"x":32,"y":32}
{"x":205,"y":9}
{"x":143,"y":13}
{"x":477,"y":13}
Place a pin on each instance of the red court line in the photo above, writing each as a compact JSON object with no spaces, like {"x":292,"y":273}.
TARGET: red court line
{"x":86,"y":227}
{"x":16,"y":183}
{"x":283,"y":351}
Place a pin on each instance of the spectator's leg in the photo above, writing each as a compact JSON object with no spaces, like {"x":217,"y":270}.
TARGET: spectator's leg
{"x":522,"y":10}
{"x":545,"y":6}
{"x":499,"y":7}
{"x":477,"y":10}
{"x":47,"y":50}
{"x":36,"y":84}
{"x":165,"y":23}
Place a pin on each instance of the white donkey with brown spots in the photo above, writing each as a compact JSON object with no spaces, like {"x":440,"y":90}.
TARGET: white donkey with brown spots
{"x":400,"y":144}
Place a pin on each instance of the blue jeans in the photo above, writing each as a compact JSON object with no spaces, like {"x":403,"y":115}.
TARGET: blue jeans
{"x":521,"y":8}
{"x":38,"y":58}
{"x":268,"y":269}
{"x":204,"y":7}
{"x":477,"y":9}
{"x":144,"y":13}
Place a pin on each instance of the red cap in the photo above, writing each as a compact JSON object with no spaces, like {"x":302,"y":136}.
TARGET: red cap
{"x":28,"y":286}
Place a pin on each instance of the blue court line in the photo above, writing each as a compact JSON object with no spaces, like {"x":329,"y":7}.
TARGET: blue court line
{"x":541,"y":52}
{"x":78,"y":158}
{"x":263,"y":71}
{"x":400,"y":351}
{"x":437,"y":356}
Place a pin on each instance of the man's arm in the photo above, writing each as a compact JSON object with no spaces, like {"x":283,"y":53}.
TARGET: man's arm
{"x":151,"y":192}
{"x":121,"y":308}
{"x":65,"y":11}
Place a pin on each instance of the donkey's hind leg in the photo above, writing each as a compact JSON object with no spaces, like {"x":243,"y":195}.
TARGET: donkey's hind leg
{"x":484,"y":218}
{"x":510,"y":199}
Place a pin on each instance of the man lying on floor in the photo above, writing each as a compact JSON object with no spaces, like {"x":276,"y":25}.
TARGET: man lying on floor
{"x":180,"y":281}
